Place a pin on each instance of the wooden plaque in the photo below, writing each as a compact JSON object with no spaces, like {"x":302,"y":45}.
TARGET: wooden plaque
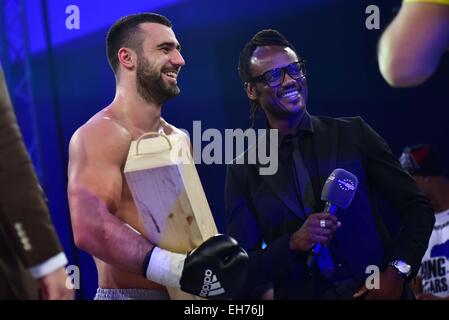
{"x":167,"y":191}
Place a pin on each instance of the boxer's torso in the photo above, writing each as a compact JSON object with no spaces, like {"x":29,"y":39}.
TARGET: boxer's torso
{"x":110,"y":276}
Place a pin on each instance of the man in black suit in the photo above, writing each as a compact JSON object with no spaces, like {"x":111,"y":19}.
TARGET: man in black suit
{"x":285,"y":211}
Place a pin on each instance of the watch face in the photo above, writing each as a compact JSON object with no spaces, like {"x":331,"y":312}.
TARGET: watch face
{"x":405,"y":268}
{"x":402,"y":267}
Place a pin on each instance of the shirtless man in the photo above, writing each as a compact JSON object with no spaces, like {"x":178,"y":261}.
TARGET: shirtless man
{"x":145,"y":56}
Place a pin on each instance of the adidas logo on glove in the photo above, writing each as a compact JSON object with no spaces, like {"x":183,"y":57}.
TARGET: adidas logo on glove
{"x":211,"y":285}
{"x":220,"y":256}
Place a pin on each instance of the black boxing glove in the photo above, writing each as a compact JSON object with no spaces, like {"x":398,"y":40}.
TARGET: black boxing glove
{"x":215,"y":270}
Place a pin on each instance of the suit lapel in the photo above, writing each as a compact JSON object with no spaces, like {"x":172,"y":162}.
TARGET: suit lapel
{"x":276,"y":182}
{"x":325,"y":140}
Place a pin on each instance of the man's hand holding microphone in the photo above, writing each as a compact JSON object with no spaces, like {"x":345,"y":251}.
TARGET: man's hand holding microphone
{"x":318,"y":228}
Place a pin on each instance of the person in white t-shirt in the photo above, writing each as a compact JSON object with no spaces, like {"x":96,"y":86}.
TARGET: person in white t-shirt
{"x":426,"y":167}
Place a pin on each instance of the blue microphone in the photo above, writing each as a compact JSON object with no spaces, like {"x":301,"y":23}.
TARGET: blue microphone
{"x":338,"y":192}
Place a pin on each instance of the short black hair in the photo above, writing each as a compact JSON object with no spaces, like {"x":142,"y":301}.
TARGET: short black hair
{"x":125,"y":32}
{"x":267,"y":37}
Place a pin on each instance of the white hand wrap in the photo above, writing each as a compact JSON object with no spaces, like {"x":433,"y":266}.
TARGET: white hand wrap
{"x":165,"y":267}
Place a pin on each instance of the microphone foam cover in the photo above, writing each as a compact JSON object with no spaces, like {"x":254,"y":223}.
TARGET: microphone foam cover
{"x":339,"y":188}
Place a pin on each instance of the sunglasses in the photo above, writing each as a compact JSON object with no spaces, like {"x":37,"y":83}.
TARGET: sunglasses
{"x":275,"y":77}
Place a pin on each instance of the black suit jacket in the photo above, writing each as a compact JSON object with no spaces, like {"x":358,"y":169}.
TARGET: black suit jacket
{"x":27,"y":236}
{"x":260,"y":208}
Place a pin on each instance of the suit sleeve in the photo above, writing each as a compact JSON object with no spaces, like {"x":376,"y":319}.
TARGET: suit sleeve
{"x":23,"y":210}
{"x":266,"y":264}
{"x":403,"y":194}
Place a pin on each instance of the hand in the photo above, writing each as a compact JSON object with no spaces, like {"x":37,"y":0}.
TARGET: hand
{"x":391,"y":285}
{"x":53,"y":286}
{"x":312,"y":233}
{"x":216,"y":269}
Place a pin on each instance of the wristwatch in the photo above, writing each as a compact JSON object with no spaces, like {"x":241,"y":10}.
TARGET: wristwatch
{"x":402,"y":267}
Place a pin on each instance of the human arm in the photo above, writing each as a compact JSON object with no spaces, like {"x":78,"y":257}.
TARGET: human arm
{"x":417,"y":288}
{"x":412,"y":45}
{"x":416,"y":285}
{"x":97,"y":152}
{"x":24,"y":213}
{"x":53,"y":286}
{"x":385,"y":174}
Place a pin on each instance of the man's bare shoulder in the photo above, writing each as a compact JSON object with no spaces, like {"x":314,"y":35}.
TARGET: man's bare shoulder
{"x":101,"y":133}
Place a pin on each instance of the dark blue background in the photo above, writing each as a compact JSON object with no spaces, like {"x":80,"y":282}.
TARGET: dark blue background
{"x":72,"y":80}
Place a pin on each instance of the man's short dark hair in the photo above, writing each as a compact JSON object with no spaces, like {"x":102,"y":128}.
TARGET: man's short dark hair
{"x":267,"y":37}
{"x":125,"y":32}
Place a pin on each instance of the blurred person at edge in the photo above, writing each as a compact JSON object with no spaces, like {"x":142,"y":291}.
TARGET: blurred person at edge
{"x":31,"y":258}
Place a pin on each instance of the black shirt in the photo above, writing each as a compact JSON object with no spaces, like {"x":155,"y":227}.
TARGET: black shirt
{"x":303,"y":140}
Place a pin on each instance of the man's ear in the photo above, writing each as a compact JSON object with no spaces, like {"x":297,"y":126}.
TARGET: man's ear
{"x":250,"y":91}
{"x":127,"y":58}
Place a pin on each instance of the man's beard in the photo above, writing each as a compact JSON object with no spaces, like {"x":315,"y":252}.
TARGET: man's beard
{"x":150,"y":84}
